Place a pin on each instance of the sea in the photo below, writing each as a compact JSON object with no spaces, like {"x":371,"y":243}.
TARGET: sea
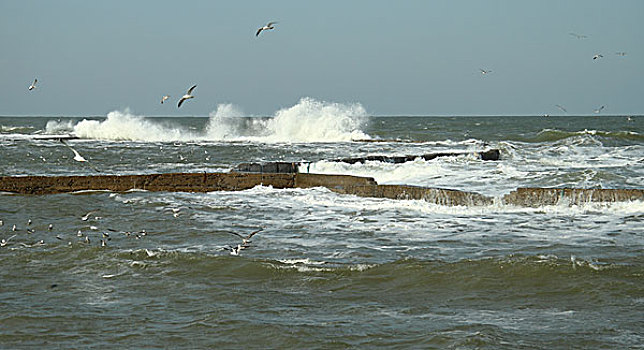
{"x":155,"y":270}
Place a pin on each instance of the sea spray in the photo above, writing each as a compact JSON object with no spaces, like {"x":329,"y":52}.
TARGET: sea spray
{"x":226,"y":122}
{"x":59,"y":126}
{"x":307,"y":121}
{"x":124,"y":126}
{"x":314,"y":121}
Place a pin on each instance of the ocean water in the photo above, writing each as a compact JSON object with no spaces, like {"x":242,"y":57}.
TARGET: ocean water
{"x":327,"y":271}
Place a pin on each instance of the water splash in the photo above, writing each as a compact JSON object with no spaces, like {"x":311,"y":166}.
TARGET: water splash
{"x":122,"y":126}
{"x":307,"y":121}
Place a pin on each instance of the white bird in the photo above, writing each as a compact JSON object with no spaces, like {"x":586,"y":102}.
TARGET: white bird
{"x":77,"y":156}
{"x":86,"y":216}
{"x":4,"y":242}
{"x":268,"y":26}
{"x":235,"y":250}
{"x":562,"y":109}
{"x":187,"y":96}
{"x":33,"y":85}
{"x":599,"y":109}
{"x":597,"y":56}
{"x":165,"y":97}
{"x":483,"y":71}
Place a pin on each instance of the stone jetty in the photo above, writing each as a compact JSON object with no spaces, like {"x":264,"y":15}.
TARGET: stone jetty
{"x":344,"y":184}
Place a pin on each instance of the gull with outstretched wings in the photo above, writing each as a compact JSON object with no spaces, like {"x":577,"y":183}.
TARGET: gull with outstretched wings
{"x":269,"y":26}
{"x":187,"y":96}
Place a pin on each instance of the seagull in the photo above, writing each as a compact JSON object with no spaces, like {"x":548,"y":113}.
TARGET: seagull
{"x":245,"y":239}
{"x":561,"y":107}
{"x":620,"y":53}
{"x":4,"y":242}
{"x":484,"y":72}
{"x":269,"y":26}
{"x":187,"y":96}
{"x":599,"y":109}
{"x":86,"y":216}
{"x":597,"y":56}
{"x":33,"y":85}
{"x":165,"y":97}
{"x":578,"y":36}
{"x":235,"y":250}
{"x":77,"y":156}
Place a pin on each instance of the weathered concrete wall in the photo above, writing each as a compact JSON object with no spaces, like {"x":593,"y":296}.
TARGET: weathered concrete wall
{"x":181,"y":182}
{"x":270,"y":167}
{"x":292,"y":167}
{"x":533,"y":197}
{"x":368,"y":187}
{"x":345,"y":184}
{"x":493,"y":154}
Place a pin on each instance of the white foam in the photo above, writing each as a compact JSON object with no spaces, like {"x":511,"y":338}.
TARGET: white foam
{"x":126,"y":126}
{"x":58,"y":126}
{"x":307,"y":121}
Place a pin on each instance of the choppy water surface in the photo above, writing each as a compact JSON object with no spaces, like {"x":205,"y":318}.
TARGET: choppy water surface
{"x":328,"y":270}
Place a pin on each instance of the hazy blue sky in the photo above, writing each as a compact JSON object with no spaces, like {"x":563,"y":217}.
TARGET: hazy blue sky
{"x":393,"y":57}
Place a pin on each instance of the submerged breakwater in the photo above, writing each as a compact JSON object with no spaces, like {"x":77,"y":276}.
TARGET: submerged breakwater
{"x":344,"y":184}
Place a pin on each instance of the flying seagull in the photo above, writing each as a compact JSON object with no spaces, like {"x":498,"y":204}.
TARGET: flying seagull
{"x":578,"y":36}
{"x":245,"y":239}
{"x":187,"y":96}
{"x":599,"y":109}
{"x":562,"y":108}
{"x":620,"y":53}
{"x":165,"y":97}
{"x":484,"y":72}
{"x":597,"y":56}
{"x":269,"y":26}
{"x":33,"y":85}
{"x":77,"y":156}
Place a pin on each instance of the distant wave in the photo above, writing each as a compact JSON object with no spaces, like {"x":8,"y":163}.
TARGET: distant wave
{"x":409,"y":275}
{"x":550,"y":135}
{"x":307,"y":121}
{"x":7,"y":129}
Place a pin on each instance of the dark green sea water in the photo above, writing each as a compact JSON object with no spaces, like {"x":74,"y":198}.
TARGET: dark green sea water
{"x":328,"y":271}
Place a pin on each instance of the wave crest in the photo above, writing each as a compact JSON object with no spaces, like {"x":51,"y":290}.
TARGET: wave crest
{"x":121,"y":126}
{"x":307,"y":121}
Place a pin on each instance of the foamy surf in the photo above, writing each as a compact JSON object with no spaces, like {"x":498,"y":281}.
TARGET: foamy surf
{"x":307,"y":121}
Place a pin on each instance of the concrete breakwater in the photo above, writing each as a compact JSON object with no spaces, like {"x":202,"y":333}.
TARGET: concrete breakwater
{"x":293,"y":167}
{"x":345,"y":184}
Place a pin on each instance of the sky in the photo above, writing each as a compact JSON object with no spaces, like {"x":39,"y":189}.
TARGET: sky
{"x":395,"y":58}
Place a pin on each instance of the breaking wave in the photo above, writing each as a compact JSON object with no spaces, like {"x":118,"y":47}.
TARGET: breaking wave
{"x":307,"y":121}
{"x":550,"y":135}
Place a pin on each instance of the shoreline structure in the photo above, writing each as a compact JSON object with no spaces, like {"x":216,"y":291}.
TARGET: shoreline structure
{"x":286,"y":175}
